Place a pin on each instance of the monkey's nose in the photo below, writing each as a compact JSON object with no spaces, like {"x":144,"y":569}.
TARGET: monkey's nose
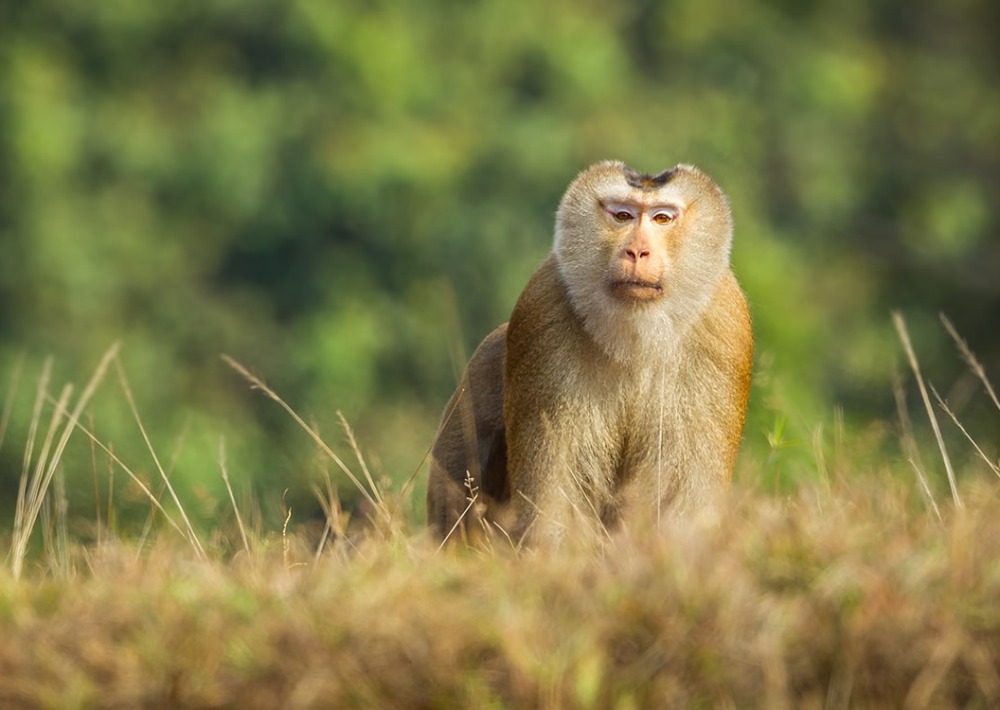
{"x":636,"y":253}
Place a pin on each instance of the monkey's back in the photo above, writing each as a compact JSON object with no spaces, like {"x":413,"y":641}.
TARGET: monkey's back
{"x":468,"y":467}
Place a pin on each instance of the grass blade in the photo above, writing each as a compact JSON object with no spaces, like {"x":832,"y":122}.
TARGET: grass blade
{"x":232,"y":498}
{"x":47,"y":465}
{"x":259,"y":384}
{"x":191,"y":534}
{"x":904,"y":336}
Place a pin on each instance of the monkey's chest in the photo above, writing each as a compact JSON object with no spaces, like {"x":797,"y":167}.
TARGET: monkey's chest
{"x":635,"y":428}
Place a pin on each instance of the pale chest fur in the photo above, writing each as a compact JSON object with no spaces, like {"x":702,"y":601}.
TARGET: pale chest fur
{"x":635,"y":428}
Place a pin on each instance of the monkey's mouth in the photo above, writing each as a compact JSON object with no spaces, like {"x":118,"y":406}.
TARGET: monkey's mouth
{"x":636,"y":290}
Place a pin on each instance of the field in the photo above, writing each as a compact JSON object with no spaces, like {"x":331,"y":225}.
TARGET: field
{"x":346,"y":197}
{"x":866,"y":586}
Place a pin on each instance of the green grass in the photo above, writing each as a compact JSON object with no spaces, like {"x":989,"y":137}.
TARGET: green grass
{"x":865,"y":587}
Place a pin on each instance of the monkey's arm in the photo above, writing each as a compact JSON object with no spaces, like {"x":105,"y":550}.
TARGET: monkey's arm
{"x":469,"y":451}
{"x":724,"y":338}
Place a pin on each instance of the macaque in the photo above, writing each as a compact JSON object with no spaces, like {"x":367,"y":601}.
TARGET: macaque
{"x":618,"y":389}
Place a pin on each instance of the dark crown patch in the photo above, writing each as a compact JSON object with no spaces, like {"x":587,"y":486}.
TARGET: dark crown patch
{"x":643,"y":181}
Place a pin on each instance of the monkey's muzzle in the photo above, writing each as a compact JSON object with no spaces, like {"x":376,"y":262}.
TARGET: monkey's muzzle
{"x":636,"y":290}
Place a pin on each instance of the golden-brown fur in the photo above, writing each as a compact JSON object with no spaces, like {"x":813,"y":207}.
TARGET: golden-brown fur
{"x":619,"y":387}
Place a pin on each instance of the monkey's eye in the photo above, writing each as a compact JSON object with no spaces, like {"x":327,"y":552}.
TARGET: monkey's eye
{"x":664,"y":217}
{"x":620,"y":212}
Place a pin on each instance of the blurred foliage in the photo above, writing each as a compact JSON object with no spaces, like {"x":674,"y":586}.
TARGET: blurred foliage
{"x":346,"y":196}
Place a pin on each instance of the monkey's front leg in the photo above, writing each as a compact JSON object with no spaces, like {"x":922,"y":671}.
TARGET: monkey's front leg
{"x":556,"y":487}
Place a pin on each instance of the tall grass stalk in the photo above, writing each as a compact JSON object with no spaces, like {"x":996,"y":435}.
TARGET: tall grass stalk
{"x":372,"y":496}
{"x":113,"y":458}
{"x":232,"y":498}
{"x":947,"y":410}
{"x":970,"y":359}
{"x":904,"y":337}
{"x":910,"y":448}
{"x":20,"y":510}
{"x":334,"y":524}
{"x":353,"y":443}
{"x":191,"y":534}
{"x":55,"y":533}
{"x":148,"y":527}
{"x":30,"y":506}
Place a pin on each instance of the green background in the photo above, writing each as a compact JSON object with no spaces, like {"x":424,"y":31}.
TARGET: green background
{"x":346,"y":196}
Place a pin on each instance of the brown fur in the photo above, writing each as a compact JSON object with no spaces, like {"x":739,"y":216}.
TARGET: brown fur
{"x":619,"y":387}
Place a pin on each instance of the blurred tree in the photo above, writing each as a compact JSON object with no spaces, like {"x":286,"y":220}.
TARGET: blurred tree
{"x":344,"y":195}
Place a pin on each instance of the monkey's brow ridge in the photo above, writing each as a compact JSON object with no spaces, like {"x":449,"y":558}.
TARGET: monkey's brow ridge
{"x":643,"y":181}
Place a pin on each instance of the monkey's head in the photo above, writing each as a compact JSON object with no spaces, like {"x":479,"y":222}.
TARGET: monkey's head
{"x":641,"y":255}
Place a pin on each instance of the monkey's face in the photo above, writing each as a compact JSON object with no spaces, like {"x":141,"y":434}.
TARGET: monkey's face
{"x":642,"y":247}
{"x":642,"y":236}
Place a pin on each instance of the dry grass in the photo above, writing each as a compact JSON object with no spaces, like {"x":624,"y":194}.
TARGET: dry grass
{"x":853,"y":592}
{"x":829,"y":599}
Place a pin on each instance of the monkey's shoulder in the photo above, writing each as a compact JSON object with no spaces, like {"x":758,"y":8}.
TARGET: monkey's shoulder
{"x":543,"y":309}
{"x":722,"y":343}
{"x":489,"y":354}
{"x":725,"y":325}
{"x":547,"y":347}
